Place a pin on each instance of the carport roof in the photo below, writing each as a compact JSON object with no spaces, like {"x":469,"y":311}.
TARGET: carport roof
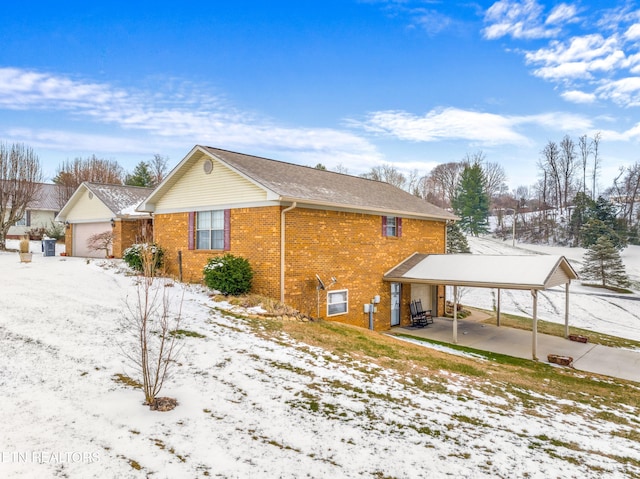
{"x":487,"y":271}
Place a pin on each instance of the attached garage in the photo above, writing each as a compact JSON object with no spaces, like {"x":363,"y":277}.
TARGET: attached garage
{"x":81,"y":234}
{"x":98,"y":208}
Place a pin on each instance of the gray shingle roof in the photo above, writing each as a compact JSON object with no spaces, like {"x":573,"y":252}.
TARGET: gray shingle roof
{"x":120,"y":199}
{"x":48,"y":198}
{"x":307,"y":184}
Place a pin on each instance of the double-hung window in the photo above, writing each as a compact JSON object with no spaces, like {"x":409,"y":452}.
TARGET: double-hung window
{"x":391,"y":226}
{"x":337,"y":302}
{"x":210,"y":229}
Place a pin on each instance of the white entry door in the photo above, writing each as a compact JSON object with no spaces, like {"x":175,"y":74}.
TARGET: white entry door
{"x":395,"y":304}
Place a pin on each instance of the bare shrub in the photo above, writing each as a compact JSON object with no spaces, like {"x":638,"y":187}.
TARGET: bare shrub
{"x":150,"y":319}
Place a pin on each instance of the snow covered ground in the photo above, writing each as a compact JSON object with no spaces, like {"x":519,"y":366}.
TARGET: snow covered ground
{"x":594,"y":309}
{"x":251,"y":407}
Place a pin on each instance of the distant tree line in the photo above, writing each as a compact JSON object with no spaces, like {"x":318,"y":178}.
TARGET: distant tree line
{"x":71,"y":173}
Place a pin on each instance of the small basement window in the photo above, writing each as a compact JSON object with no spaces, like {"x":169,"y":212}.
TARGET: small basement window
{"x":337,"y":302}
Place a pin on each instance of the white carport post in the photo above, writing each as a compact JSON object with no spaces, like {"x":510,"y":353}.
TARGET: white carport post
{"x":455,"y":314}
{"x":498,"y":310}
{"x":534,"y":335}
{"x":566,"y":310}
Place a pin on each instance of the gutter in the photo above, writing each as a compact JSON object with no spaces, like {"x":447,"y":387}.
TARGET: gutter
{"x":282,"y":248}
{"x":373,"y":210}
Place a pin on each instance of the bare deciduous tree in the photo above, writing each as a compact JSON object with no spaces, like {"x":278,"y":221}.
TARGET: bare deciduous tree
{"x":388,"y":174}
{"x":71,"y":174}
{"x":595,"y":148}
{"x":152,"y":321}
{"x":567,"y":166}
{"x":626,"y":189}
{"x":585,"y":151}
{"x":443,"y":180}
{"x":20,"y":178}
{"x":158,"y":167}
{"x":340,"y":168}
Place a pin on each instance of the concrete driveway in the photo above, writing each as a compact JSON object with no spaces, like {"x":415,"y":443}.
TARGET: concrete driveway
{"x":613,"y":362}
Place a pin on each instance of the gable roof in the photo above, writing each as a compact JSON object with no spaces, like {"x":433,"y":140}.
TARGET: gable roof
{"x":46,"y":198}
{"x":288,"y":182}
{"x":121,"y":200}
{"x":487,"y":271}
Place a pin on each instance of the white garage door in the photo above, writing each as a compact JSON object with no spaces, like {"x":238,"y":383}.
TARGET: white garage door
{"x":82,"y":232}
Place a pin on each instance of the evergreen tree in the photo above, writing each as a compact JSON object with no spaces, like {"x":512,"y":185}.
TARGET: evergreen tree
{"x":456,"y":240}
{"x":594,"y":229}
{"x":141,"y":176}
{"x":603,"y":263}
{"x":471,"y":201}
{"x":583,"y":209}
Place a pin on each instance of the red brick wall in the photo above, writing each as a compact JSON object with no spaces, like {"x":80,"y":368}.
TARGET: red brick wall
{"x":348,"y":246}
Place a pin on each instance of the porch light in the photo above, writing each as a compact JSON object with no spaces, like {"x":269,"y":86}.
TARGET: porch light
{"x":113,"y":222}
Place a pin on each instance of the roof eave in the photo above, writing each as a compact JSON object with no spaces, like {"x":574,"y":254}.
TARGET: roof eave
{"x":375,"y":210}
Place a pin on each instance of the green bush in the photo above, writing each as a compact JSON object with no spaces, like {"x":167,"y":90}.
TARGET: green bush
{"x":228,"y":274}
{"x":135,"y":254}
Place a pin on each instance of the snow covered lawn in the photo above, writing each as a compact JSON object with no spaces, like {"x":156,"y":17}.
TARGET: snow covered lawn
{"x":258,"y":406}
{"x":593,"y":309}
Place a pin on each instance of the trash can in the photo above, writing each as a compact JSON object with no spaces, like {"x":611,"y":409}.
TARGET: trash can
{"x":48,"y":247}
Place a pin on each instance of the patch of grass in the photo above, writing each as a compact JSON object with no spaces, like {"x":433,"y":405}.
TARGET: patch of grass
{"x":609,"y":287}
{"x":126,"y":380}
{"x":503,"y":376}
{"x":556,"y":329}
{"x":185,"y":333}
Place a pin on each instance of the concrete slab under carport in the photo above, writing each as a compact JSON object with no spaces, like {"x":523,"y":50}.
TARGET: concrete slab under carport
{"x":587,"y":357}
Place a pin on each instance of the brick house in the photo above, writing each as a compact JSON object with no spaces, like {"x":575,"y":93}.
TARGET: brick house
{"x":319,"y":241}
{"x":97,"y":208}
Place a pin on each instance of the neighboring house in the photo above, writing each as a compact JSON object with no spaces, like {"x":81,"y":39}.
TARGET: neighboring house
{"x":40,"y":214}
{"x":296,"y":224}
{"x":97,"y":208}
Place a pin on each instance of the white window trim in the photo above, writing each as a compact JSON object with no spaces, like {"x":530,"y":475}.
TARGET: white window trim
{"x":211,"y":246}
{"x":392,"y":230}
{"x":345,"y":302}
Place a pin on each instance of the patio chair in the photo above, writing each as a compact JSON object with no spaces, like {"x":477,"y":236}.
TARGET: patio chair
{"x":428,"y":317}
{"x":418,"y":319}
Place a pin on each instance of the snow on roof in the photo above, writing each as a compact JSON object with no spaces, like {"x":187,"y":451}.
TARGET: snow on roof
{"x":121,"y":200}
{"x":493,"y":271}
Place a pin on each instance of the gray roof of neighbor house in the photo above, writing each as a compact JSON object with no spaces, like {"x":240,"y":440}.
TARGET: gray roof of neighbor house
{"x":122,"y":200}
{"x":48,"y":198}
{"x":307,"y":185}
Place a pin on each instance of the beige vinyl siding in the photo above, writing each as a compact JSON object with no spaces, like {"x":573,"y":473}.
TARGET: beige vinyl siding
{"x":39,"y":219}
{"x":558,"y":277}
{"x":197,"y":189}
{"x":88,"y":208}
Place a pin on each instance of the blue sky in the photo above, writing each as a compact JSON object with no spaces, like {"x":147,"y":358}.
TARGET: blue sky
{"x":353,"y":83}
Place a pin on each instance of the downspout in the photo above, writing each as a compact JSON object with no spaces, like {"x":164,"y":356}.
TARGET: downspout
{"x":282,"y":248}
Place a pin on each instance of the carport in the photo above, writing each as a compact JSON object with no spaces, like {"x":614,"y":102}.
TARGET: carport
{"x":530,"y":272}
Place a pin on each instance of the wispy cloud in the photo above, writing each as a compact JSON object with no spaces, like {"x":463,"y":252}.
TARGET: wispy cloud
{"x":478,"y":128}
{"x":598,"y":61}
{"x":525,"y":20}
{"x":576,"y":96}
{"x":182,"y":116}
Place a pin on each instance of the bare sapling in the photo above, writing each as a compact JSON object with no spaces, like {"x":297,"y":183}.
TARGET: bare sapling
{"x":151,"y":319}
